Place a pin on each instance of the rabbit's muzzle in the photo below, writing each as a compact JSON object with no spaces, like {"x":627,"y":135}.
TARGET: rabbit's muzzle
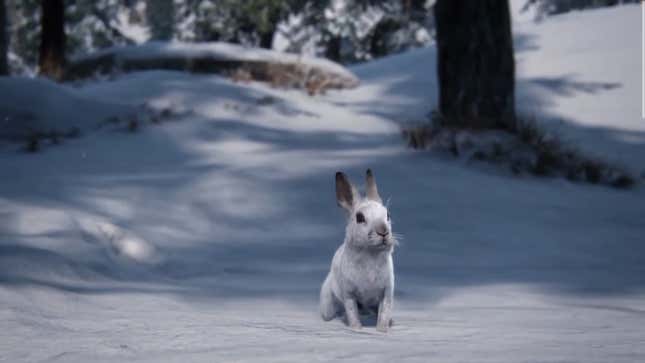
{"x":382,"y":230}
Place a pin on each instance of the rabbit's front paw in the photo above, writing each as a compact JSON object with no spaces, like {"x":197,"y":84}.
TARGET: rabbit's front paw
{"x":383,"y":328}
{"x":356,"y":326}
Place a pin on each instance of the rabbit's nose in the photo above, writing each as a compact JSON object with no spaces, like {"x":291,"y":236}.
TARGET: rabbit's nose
{"x":381,"y":230}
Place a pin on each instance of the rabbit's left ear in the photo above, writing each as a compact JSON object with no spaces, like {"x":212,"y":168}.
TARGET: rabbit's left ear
{"x":346,"y":194}
{"x":371,"y":190}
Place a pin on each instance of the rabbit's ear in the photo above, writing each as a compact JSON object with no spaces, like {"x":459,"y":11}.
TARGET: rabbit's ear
{"x":371,"y":190}
{"x":345,"y":191}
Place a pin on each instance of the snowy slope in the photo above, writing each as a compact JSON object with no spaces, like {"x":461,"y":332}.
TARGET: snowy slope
{"x":49,"y":107}
{"x":205,"y":238}
{"x":582,"y":70}
{"x":578,"y":73}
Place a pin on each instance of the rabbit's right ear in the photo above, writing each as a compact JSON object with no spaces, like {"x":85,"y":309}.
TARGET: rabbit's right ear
{"x":345,"y":192}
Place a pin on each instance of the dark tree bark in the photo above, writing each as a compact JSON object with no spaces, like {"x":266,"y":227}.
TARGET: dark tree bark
{"x":332,"y":50}
{"x":4,"y":68}
{"x":476,"y":65}
{"x":52,"y":39}
{"x":266,"y":39}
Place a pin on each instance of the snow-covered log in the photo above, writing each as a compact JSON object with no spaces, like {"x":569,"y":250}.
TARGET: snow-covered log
{"x":280,"y":69}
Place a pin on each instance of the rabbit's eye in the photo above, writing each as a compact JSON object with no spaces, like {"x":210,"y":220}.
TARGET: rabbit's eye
{"x":360,"y":218}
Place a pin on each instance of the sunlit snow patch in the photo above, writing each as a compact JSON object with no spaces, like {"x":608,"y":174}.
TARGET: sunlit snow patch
{"x":122,"y":245}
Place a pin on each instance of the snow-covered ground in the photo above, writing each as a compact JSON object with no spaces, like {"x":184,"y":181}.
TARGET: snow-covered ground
{"x":205,"y":238}
{"x":58,"y":108}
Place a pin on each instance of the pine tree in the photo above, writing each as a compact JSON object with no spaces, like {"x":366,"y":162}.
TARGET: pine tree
{"x":52,"y":39}
{"x":90,"y":25}
{"x":476,"y":66}
{"x":160,"y":16}
{"x":349,"y":31}
{"x":4,"y":68}
{"x":250,"y":22}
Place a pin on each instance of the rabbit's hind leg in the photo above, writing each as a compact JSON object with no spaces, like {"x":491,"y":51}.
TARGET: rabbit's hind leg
{"x":328,"y":305}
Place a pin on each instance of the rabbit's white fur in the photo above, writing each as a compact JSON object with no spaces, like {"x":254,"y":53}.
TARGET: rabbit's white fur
{"x":361,"y":278}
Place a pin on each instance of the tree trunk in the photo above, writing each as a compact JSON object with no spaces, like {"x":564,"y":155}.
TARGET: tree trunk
{"x":52,"y":39}
{"x":266,"y":39}
{"x":4,"y":68}
{"x":332,"y":50}
{"x":475,"y":64}
{"x":160,"y":16}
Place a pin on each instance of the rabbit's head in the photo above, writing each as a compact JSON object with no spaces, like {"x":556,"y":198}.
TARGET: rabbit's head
{"x":368,"y":223}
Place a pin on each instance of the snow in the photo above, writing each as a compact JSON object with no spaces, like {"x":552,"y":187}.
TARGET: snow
{"x":206,"y":237}
{"x":137,"y":32}
{"x":597,"y":95}
{"x":59,"y":108}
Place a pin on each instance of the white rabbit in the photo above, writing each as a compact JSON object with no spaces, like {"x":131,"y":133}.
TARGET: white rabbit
{"x":361,"y":278}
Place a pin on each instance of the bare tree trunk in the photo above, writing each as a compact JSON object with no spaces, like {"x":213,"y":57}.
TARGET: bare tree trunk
{"x":476,"y":65}
{"x":266,"y":39}
{"x":52,"y":39}
{"x":4,"y":68}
